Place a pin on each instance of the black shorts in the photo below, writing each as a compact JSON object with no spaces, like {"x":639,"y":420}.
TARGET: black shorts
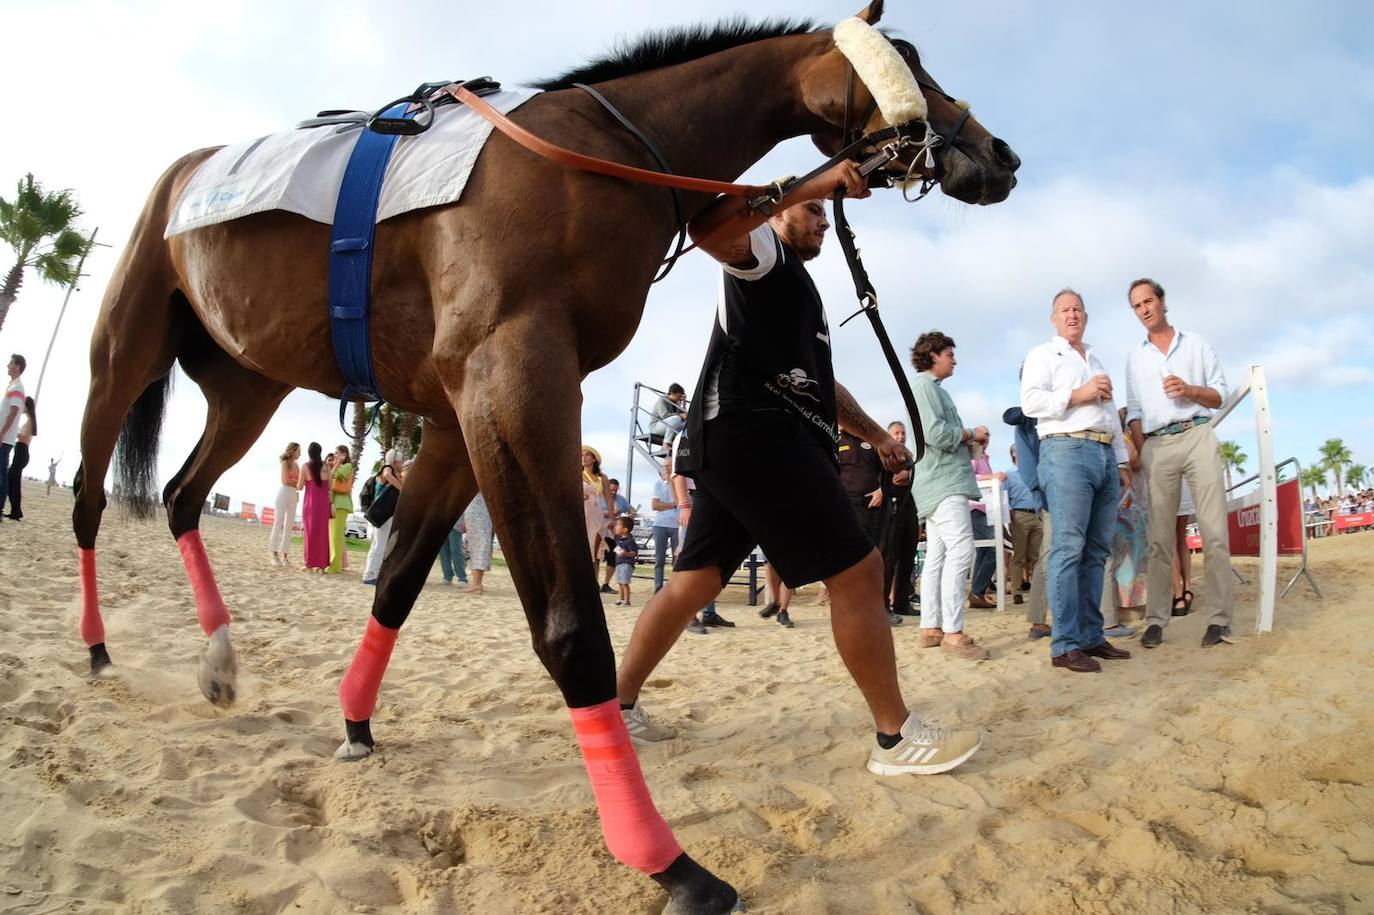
{"x":767,"y":479}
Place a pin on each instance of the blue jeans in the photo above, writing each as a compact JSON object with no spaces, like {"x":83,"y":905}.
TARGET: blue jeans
{"x":451,"y":557}
{"x":985,"y":560}
{"x":1080,"y":481}
{"x":662,"y":537}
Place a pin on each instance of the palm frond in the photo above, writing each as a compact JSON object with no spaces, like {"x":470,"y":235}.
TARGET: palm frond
{"x":56,"y":269}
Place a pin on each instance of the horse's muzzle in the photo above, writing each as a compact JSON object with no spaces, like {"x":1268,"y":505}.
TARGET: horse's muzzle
{"x":980,"y":173}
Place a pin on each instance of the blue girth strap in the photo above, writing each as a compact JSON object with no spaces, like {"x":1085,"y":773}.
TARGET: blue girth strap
{"x":350,"y":259}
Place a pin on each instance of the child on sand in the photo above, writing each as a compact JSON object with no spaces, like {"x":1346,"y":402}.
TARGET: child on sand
{"x":626,"y":552}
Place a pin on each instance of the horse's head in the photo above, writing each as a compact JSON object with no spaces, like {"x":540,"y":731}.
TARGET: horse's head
{"x":946,"y":143}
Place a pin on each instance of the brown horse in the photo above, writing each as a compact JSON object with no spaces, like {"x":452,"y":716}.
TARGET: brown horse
{"x":484,"y":312}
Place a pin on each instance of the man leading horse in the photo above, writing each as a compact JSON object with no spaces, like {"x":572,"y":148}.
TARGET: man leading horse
{"x":770,"y":331}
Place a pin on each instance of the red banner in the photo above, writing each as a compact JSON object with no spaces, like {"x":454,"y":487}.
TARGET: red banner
{"x":1346,"y":522}
{"x":269,"y":515}
{"x":1244,"y":522}
{"x":248,"y":511}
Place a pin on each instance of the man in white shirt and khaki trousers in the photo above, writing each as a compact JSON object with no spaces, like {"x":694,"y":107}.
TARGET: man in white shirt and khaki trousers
{"x":1173,"y":383}
{"x":1083,"y":471}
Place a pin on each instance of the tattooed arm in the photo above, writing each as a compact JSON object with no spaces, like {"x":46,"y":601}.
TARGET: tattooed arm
{"x":853,"y":419}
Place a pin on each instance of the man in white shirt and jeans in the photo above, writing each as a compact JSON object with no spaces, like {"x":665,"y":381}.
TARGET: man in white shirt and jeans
{"x":1083,"y":471}
{"x":1173,"y":383}
{"x":11,"y":408}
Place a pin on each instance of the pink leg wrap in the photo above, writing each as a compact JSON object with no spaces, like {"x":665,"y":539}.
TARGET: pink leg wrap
{"x":635,"y":832}
{"x":92,"y":626}
{"x":209,"y":605}
{"x":358,"y":691}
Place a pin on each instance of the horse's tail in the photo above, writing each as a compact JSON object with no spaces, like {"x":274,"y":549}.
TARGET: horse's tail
{"x":136,"y":338}
{"x":136,"y":451}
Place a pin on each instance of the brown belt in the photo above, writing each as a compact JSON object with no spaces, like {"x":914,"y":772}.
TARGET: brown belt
{"x":1092,"y":435}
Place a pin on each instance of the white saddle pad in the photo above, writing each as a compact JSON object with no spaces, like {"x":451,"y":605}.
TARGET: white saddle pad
{"x":300,"y":170}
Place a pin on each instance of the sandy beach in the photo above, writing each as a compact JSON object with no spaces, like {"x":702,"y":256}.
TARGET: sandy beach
{"x":1236,"y":779}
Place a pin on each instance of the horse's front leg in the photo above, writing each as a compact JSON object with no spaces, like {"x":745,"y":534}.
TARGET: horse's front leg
{"x":525,"y":456}
{"x":438,"y":486}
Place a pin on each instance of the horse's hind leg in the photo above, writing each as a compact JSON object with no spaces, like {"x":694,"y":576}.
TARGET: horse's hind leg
{"x":132,"y":349}
{"x":240,"y":404}
{"x":525,"y":455}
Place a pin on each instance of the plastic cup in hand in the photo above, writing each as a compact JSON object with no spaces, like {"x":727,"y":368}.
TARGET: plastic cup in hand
{"x":1164,"y":375}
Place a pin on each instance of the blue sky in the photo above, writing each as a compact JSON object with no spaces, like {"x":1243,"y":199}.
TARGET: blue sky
{"x":1223,"y":148}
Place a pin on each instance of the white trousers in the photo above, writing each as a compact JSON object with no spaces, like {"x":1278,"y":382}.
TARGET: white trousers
{"x":377,"y":551}
{"x":949,"y":556}
{"x":280,"y":539}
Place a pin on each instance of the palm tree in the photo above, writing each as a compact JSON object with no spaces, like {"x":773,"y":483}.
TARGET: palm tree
{"x":358,"y":437}
{"x":1335,"y":456}
{"x":1312,"y":477}
{"x":407,"y":433}
{"x":1231,"y":458}
{"x":38,"y":226}
{"x":1354,"y":476}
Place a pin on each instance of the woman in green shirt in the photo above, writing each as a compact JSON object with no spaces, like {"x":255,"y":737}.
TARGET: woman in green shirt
{"x":341,"y":498}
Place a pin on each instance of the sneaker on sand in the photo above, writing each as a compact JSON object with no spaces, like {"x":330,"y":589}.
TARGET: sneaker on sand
{"x":785,"y":620}
{"x":642,"y":728}
{"x":967,"y":649}
{"x":931,"y":639}
{"x":770,"y":610}
{"x":924,"y":750}
{"x":696,"y":627}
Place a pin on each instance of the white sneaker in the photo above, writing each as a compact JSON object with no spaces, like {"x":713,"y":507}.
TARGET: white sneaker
{"x":642,"y":727}
{"x":924,"y":750}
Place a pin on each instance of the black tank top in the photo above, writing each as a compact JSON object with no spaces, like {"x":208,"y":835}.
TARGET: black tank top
{"x":769,"y":350}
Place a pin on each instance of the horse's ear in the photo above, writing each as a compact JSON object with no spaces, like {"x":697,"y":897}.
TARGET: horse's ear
{"x":872,"y":13}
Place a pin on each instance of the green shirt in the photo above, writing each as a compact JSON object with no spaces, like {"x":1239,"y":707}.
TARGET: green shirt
{"x":946,"y":469}
{"x":344,"y":500}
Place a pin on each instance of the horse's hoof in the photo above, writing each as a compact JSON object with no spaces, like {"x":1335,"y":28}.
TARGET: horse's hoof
{"x":693,"y":890}
{"x":219,"y":670}
{"x":101,"y":665}
{"x":358,"y":744}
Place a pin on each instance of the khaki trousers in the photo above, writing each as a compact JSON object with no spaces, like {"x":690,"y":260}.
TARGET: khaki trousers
{"x":1026,"y":534}
{"x":1168,"y":460}
{"x":1037,"y":605}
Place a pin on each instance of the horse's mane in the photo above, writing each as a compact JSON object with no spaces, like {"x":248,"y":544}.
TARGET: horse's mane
{"x":675,"y":46}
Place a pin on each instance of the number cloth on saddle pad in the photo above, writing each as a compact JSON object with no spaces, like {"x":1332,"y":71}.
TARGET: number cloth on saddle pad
{"x":300,"y":171}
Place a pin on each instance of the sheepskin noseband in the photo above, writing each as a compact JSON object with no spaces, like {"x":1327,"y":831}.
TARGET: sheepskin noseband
{"x":882,"y":70}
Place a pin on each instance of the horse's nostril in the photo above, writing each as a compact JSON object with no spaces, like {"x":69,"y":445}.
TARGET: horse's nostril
{"x":1005,"y":155}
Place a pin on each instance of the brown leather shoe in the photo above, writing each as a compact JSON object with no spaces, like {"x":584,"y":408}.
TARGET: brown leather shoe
{"x":981,"y":603}
{"x":1107,"y":650}
{"x":1077,"y":662}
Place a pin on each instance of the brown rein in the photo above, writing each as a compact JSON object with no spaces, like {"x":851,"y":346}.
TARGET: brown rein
{"x":577,"y":160}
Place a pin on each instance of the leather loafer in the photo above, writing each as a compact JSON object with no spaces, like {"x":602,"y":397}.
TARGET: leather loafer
{"x":1107,"y":650}
{"x":1152,"y":637}
{"x":1077,"y":662}
{"x":1215,"y":635}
